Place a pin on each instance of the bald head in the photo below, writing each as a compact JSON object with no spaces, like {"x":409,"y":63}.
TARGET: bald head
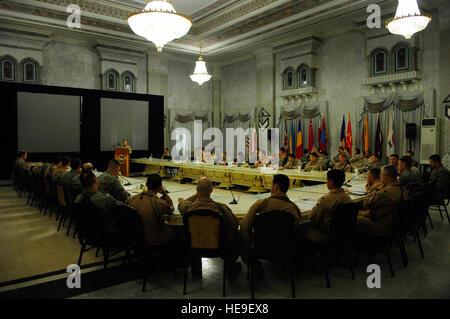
{"x":204,"y":187}
{"x":87,"y":166}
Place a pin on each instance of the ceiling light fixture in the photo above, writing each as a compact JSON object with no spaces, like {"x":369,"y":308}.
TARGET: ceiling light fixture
{"x":408,"y":19}
{"x":159,"y":23}
{"x":200,"y":74}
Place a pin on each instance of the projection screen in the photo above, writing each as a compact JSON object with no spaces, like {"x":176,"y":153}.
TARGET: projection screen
{"x":124,"y":119}
{"x":48,"y":123}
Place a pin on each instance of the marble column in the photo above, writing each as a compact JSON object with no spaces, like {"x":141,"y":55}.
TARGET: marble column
{"x":265,"y":83}
{"x":158,"y":84}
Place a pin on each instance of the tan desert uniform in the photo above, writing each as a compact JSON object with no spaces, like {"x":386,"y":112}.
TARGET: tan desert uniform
{"x":58,"y":171}
{"x":311,"y":166}
{"x":130,"y":150}
{"x":152,"y":209}
{"x":382,"y":205}
{"x":194,"y":203}
{"x":374,"y":187}
{"x":321,"y":215}
{"x":273,"y":203}
{"x":343,"y":167}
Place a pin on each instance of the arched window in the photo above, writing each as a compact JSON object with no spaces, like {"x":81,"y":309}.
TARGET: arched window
{"x":303,"y":76}
{"x":401,"y":58}
{"x":111,"y":80}
{"x":379,"y":61}
{"x":288,"y":79}
{"x":128,"y":80}
{"x":8,"y":69}
{"x":29,"y":71}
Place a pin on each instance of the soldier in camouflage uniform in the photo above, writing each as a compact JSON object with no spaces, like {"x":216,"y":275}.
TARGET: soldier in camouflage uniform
{"x":314,"y":164}
{"x":125,"y":145}
{"x":20,"y":164}
{"x":292,"y":162}
{"x":65,"y":164}
{"x":407,"y":179}
{"x":66,"y":179}
{"x":342,"y":164}
{"x":105,"y":203}
{"x":439,"y":179}
{"x":109,"y":183}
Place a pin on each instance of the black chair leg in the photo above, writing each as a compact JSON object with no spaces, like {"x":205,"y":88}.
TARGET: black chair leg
{"x":429,"y":219}
{"x":225,"y":268}
{"x":446,"y":212}
{"x":252,"y":277}
{"x":83,"y":247}
{"x":324,"y":266}
{"x":68,"y":227}
{"x":96,"y":252}
{"x":389,"y":259}
{"x":145,"y":271}
{"x":440,"y":212}
{"x":60,"y":222}
{"x":105,"y":262}
{"x":420,"y":245}
{"x":291,"y":264}
{"x":350,"y":261}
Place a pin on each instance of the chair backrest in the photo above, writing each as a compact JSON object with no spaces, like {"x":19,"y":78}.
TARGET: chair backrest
{"x":343,"y":224}
{"x":130,"y":225}
{"x":420,"y":208}
{"x":61,"y":195}
{"x":274,"y":234}
{"x":88,"y":222}
{"x":404,"y":219}
{"x":204,"y":230}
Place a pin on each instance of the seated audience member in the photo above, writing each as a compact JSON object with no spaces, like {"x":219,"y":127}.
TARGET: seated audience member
{"x":105,"y":203}
{"x":317,"y":230}
{"x":20,"y":164}
{"x":373,"y":180}
{"x":439,"y":179}
{"x":336,"y":158}
{"x":393,"y":160}
{"x":166,"y":155}
{"x":314,"y":164}
{"x":65,"y":164}
{"x":76,"y":183}
{"x":411,"y":155}
{"x":152,"y":210}
{"x":356,"y":156}
{"x":407,"y":179}
{"x":202,"y":201}
{"x":380,"y":207}
{"x":65,"y":179}
{"x":56,"y":163}
{"x":342,"y":164}
{"x":374,"y":162}
{"x":278,"y":201}
{"x":323,"y":160}
{"x":306,"y":156}
{"x":283,"y":157}
{"x":292,"y":162}
{"x":348,"y":154}
{"x":263,"y":159}
{"x":109,"y":183}
{"x":224,"y":159}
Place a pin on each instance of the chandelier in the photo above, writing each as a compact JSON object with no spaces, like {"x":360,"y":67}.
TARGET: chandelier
{"x":200,"y":74}
{"x":408,"y":19}
{"x":159,"y":23}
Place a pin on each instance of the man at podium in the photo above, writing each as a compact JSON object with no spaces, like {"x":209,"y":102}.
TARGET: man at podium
{"x":125,"y":145}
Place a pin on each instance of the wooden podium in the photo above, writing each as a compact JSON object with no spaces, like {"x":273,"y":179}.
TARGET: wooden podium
{"x":122,"y":154}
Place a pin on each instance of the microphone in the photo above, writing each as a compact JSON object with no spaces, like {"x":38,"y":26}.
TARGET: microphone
{"x":128,"y":182}
{"x":234,"y":201}
{"x":347,"y":182}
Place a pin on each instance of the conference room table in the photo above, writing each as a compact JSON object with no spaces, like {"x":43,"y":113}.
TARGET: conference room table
{"x":257,"y":179}
{"x":304,"y":197}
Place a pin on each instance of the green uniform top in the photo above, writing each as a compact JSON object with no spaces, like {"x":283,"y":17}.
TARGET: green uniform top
{"x":343,"y":167}
{"x":440,"y":177}
{"x":408,"y":179}
{"x":314,"y":166}
{"x":21,"y":164}
{"x":289,"y":164}
{"x":65,"y":179}
{"x":105,"y":203}
{"x":110,"y":184}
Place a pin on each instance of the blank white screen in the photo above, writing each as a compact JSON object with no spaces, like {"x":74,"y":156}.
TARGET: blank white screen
{"x":48,"y":123}
{"x":124,"y":120}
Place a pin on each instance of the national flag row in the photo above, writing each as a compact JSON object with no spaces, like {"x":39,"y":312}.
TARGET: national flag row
{"x":297,"y":149}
